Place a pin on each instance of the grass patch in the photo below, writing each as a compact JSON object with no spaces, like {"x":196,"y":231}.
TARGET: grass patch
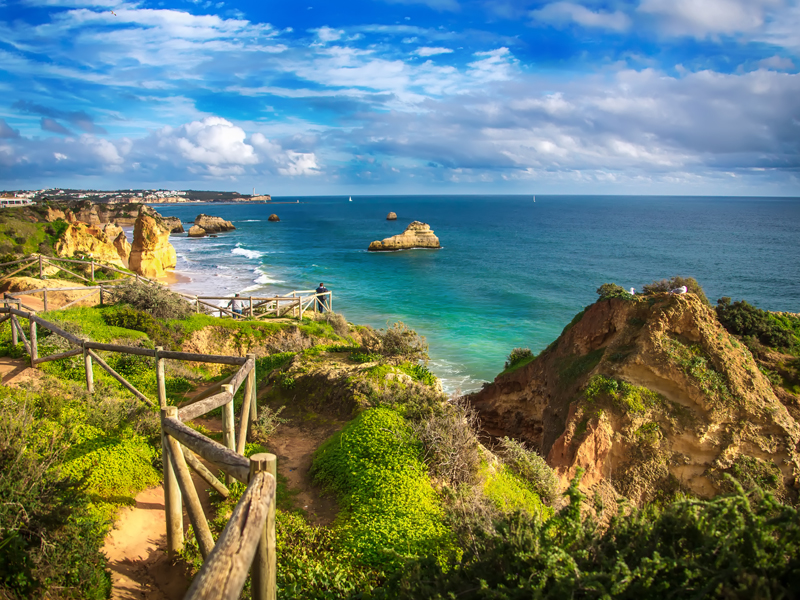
{"x":571,"y":368}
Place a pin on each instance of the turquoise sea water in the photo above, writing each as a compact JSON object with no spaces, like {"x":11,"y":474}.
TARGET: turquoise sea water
{"x":511,"y":272}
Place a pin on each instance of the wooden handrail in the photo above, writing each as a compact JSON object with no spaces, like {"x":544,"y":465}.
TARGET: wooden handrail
{"x":231,"y":463}
{"x":197,"y":409}
{"x":223,"y":574}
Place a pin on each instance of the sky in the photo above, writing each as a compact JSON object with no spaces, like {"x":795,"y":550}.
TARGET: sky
{"x":402,"y":96}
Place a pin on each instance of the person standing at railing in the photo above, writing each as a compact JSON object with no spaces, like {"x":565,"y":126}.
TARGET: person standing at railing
{"x":236,"y":306}
{"x":321,"y":301}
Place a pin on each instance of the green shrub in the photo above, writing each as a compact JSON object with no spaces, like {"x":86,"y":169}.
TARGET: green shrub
{"x":743,"y":319}
{"x":418,"y":372}
{"x":154,"y":299}
{"x":666,"y":285}
{"x":528,"y":464}
{"x":389,"y":508}
{"x":397,"y":340}
{"x":626,"y":396}
{"x":516,"y":356}
{"x":737,"y":546}
{"x":612,"y":290}
{"x":510,"y":493}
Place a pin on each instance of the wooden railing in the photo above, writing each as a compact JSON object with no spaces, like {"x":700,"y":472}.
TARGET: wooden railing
{"x":297,"y":302}
{"x":249,"y":537}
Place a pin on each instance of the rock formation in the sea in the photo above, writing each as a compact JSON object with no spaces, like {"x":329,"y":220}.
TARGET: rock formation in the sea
{"x":650,"y":396}
{"x":274,"y":218}
{"x":82,"y":239}
{"x":151,"y":253}
{"x":416,"y":235}
{"x":195,"y":231}
{"x":174,"y":224}
{"x":213,"y":224}
{"x":392,"y":216}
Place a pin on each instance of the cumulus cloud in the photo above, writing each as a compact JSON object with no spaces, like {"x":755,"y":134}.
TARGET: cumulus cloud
{"x":778,"y":63}
{"x":709,"y":17}
{"x":564,"y":13}
{"x":211,"y":142}
{"x":431,"y":51}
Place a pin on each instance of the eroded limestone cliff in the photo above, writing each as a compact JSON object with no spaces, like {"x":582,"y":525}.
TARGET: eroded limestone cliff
{"x":151,"y":252}
{"x":649,"y":396}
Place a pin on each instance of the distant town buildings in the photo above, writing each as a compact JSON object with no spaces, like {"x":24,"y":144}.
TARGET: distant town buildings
{"x":130,"y":196}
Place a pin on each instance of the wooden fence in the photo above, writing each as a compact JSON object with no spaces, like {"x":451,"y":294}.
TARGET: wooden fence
{"x":296,"y":302}
{"x":249,"y":537}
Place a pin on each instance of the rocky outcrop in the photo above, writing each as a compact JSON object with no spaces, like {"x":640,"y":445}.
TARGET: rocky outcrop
{"x":151,"y":253}
{"x":119,"y":240}
{"x":196,"y":231}
{"x":649,"y":397}
{"x":392,"y":216}
{"x":53,"y":214}
{"x":173,"y":224}
{"x":416,"y":235}
{"x":213,"y":224}
{"x":92,"y":242}
{"x":274,"y":218}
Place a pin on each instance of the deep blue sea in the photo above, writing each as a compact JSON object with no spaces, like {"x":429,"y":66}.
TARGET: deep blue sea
{"x":511,"y":272}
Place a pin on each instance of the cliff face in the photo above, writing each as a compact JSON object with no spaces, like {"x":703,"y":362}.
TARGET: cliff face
{"x":151,"y":253}
{"x":648,"y":396}
{"x":92,"y":241}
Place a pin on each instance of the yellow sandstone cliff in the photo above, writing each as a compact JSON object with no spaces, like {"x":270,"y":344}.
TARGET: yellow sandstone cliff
{"x":151,"y":252}
{"x":90,"y":241}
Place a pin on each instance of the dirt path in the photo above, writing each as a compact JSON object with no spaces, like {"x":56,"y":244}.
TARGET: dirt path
{"x":137,"y":548}
{"x":14,"y":371}
{"x":294,"y":445}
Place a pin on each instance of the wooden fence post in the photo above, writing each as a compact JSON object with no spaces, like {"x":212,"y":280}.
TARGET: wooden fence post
{"x":264,"y":562}
{"x":251,"y":387}
{"x":87,"y":364}
{"x":228,"y":435}
{"x":173,"y":504}
{"x":45,"y":299}
{"x":34,"y":343}
{"x":161,"y":382}
{"x":92,"y":277}
{"x":41,"y":270}
{"x":251,"y":306}
{"x":196,"y":305}
{"x":14,"y":335}
{"x":247,"y":403}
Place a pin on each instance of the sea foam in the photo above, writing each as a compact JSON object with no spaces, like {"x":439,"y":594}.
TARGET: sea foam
{"x":247,"y":253}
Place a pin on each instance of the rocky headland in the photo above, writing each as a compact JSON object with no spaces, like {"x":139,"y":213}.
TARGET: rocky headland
{"x":151,"y":252}
{"x":416,"y":235}
{"x":649,"y":396}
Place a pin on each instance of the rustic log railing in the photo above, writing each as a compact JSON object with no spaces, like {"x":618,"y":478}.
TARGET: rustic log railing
{"x":249,"y":537}
{"x":297,"y":302}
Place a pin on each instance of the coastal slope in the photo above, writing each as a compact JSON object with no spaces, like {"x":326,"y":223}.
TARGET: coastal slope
{"x":650,"y":396}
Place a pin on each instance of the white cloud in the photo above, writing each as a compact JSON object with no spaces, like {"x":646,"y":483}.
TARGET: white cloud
{"x":212,"y":142}
{"x":439,"y":5}
{"x":494,"y":65}
{"x":778,"y":63}
{"x":707,"y":17}
{"x":300,"y":163}
{"x":562,"y":13}
{"x":431,"y":51}
{"x":326,"y":34}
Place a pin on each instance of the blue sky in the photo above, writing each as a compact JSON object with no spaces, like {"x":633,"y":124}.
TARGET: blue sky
{"x":402,"y":96}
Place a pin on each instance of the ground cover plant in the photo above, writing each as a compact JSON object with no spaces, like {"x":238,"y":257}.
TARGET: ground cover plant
{"x":68,"y":462}
{"x":753,"y":324}
{"x":665,"y":285}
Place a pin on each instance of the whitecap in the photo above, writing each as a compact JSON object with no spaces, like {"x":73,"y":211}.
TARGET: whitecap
{"x":247,"y":253}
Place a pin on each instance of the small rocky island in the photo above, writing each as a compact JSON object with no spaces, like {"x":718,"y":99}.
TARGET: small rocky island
{"x":213,"y":224}
{"x":274,"y":218}
{"x":416,"y":235}
{"x":392,"y":216}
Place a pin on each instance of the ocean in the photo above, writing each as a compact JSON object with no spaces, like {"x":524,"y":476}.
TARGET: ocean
{"x":511,"y":272}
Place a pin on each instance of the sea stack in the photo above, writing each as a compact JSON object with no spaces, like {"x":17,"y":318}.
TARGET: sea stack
{"x":213,"y":224}
{"x":151,"y":253}
{"x":392,"y":216}
{"x":196,"y":231}
{"x":274,"y":218}
{"x":416,"y":235}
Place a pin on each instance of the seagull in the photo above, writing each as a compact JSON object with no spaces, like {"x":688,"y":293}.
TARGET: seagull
{"x":113,"y":13}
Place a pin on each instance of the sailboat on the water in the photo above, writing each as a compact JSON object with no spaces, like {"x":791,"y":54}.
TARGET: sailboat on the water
{"x":351,"y":198}
{"x":534,"y":199}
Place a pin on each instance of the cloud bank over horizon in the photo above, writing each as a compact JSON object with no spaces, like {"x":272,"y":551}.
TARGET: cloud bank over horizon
{"x":440,"y":96}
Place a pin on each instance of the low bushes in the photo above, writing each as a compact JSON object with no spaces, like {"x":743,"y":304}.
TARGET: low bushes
{"x":390,"y":510}
{"x":736,"y":546}
{"x":156,"y":300}
{"x":665,"y":285}
{"x":745,"y":320}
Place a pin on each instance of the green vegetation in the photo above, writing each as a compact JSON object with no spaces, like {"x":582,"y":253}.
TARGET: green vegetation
{"x":743,"y":545}
{"x":755,"y":325}
{"x":694,"y":361}
{"x":511,"y":493}
{"x":665,"y":285}
{"x":390,"y":511}
{"x":627,"y":397}
{"x":68,"y":461}
{"x":517,"y":358}
{"x":397,"y":340}
{"x":608,"y":291}
{"x":532,"y":467}
{"x":571,"y":368}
